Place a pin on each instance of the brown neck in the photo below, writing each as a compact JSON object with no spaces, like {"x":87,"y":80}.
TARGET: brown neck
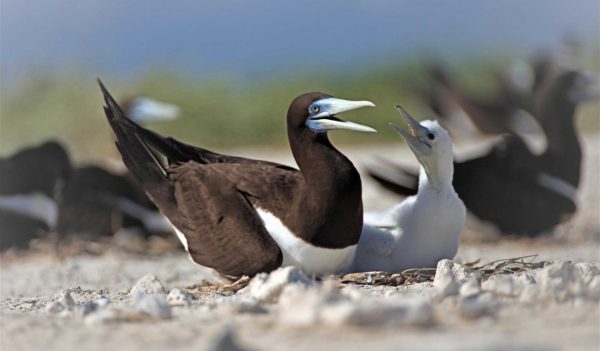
{"x":331,"y":204}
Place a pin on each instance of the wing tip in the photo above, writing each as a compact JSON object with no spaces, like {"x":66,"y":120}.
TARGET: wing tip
{"x":110,"y":104}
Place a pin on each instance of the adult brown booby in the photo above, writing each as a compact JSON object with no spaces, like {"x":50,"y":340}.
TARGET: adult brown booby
{"x":242,"y":216}
{"x":516,"y":190}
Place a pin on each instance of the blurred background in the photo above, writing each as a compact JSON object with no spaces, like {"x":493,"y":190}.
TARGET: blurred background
{"x":231,"y":69}
{"x":234,"y":66}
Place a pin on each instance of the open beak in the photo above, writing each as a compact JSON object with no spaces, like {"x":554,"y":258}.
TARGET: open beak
{"x":585,"y":88}
{"x":145,"y":110}
{"x":416,"y":136}
{"x":325,"y":119}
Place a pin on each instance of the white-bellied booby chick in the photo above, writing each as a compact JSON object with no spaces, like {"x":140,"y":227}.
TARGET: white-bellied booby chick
{"x":424,"y":228}
{"x":242,"y":216}
{"x":510,"y":187}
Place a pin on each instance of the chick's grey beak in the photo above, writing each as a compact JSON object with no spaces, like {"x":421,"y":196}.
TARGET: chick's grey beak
{"x":326,"y":120}
{"x":416,"y":135}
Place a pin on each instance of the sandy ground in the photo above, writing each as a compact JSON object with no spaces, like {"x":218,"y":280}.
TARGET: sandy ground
{"x":84,"y":301}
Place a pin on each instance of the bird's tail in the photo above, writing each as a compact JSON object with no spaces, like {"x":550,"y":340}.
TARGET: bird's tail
{"x":144,"y":162}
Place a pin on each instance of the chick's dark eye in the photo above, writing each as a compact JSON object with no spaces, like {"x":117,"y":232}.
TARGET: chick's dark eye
{"x":431,"y":136}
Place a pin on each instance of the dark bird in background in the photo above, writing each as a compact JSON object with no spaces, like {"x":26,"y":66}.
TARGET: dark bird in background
{"x":242,"y":216}
{"x":41,"y":192}
{"x":518,"y":191}
{"x":501,"y":113}
{"x":98,"y":202}
{"x":31,"y":183}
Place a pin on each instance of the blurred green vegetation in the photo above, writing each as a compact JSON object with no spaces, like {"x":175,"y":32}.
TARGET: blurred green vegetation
{"x":220,"y":113}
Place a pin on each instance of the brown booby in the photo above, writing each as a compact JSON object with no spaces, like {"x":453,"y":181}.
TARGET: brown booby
{"x":516,"y":190}
{"x":242,"y":216}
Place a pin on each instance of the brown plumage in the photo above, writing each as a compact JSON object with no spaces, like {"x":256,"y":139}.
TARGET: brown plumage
{"x":212,"y":198}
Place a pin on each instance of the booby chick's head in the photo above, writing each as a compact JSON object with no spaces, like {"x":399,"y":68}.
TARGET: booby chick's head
{"x":431,"y":144}
{"x":317,"y":112}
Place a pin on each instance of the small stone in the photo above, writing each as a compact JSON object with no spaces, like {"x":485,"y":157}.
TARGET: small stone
{"x":179,"y":297}
{"x":373,"y":312}
{"x":66,"y":299}
{"x":530,"y":293}
{"x":470,"y":288}
{"x":555,"y":280}
{"x":239,"y":304}
{"x":526,"y":279}
{"x":303,"y":306}
{"x":299,"y":305}
{"x":267,"y":287}
{"x":103,"y":316}
{"x":445,"y":282}
{"x":587,"y":271}
{"x":55,"y":307}
{"x":477,"y":306}
{"x":148,"y":284}
{"x":152,"y":305}
{"x":103,"y":302}
{"x":500,"y":285}
{"x":460,"y":272}
{"x":64,"y":305}
{"x":593,"y":288}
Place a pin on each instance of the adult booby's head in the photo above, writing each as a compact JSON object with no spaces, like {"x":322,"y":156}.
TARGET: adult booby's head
{"x":318,"y":112}
{"x":431,"y":145}
{"x":142,"y":109}
{"x":556,"y":102}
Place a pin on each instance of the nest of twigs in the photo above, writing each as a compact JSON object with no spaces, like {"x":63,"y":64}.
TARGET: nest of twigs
{"x":409,"y":276}
{"x":420,"y":275}
{"x":505,"y":266}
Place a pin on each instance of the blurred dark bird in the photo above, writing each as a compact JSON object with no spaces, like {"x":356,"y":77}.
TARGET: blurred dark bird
{"x":97,"y":202}
{"x":500,"y":114}
{"x":521,"y":80}
{"x":41,"y":192}
{"x":242,"y":216}
{"x":31,"y":182}
{"x":519,"y":192}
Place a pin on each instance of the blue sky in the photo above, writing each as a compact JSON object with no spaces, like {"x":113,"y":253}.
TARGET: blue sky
{"x":248,"y":38}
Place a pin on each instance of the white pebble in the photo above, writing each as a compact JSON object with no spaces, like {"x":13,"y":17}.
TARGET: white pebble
{"x":445,"y":282}
{"x":267,"y":287}
{"x":152,"y":305}
{"x":179,"y":297}
{"x":500,"y":285}
{"x":373,"y":312}
{"x":148,"y":284}
{"x":470,"y":288}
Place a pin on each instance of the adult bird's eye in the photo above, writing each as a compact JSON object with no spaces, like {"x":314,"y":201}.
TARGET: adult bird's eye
{"x":431,"y":136}
{"x":315,"y":109}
